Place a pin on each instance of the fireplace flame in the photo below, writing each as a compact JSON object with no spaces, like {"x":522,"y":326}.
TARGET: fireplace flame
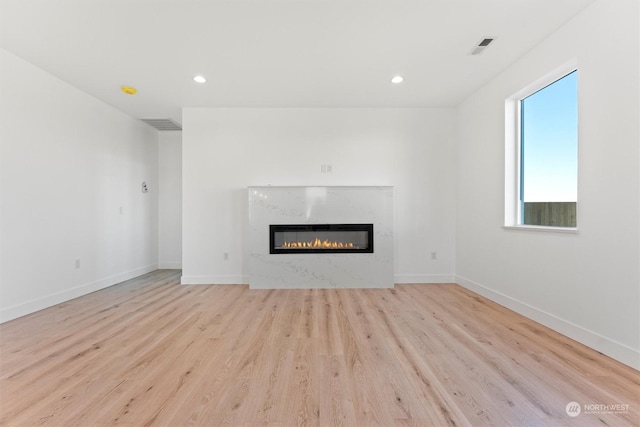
{"x":318,"y":244}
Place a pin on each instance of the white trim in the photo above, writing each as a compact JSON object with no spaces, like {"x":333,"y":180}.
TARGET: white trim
{"x":512,"y":138}
{"x":176,"y":265}
{"x":243,"y":280}
{"x":511,"y":161}
{"x":47,"y":301}
{"x":423,"y":278}
{"x":540,"y":228}
{"x":549,"y":78}
{"x":214,"y":280}
{"x":618,"y":351}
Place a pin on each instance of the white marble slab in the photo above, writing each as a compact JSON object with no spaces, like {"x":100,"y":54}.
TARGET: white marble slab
{"x":320,"y":205}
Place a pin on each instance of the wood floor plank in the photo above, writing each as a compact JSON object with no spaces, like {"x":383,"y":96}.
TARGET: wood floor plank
{"x":150,"y":352}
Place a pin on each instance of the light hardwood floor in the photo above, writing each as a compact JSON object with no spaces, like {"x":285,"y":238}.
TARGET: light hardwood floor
{"x":152,"y":352}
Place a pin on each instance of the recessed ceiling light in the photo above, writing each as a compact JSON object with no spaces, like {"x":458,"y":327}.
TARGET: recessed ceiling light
{"x":397,"y":79}
{"x":199,"y":79}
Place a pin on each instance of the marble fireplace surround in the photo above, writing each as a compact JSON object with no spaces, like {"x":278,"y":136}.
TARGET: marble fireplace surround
{"x":320,"y":205}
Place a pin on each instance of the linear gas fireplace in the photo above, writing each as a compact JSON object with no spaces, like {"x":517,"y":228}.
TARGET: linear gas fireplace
{"x":320,"y":238}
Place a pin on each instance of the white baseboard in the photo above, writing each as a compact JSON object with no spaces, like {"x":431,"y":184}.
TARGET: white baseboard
{"x":19,"y":310}
{"x":238,"y":279}
{"x":613,"y":349}
{"x":214,"y":280}
{"x":423,"y":278}
{"x":176,"y":265}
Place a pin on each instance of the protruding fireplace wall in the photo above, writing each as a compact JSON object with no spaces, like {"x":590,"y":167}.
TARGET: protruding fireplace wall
{"x":320,"y":205}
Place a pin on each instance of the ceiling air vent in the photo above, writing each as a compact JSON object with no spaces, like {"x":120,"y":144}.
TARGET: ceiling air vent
{"x":163,"y":124}
{"x":481,"y":46}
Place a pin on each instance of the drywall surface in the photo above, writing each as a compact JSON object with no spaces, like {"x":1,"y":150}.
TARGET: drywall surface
{"x":585,"y":284}
{"x":74,"y":217}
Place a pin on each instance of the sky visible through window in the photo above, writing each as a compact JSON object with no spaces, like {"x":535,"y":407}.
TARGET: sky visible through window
{"x":550,"y":139}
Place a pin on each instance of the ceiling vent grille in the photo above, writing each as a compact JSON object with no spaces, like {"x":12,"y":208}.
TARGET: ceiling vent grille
{"x":163,"y":124}
{"x":480,"y":47}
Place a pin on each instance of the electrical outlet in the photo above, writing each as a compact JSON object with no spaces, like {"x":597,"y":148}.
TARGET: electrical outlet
{"x":329,"y":168}
{"x":434,"y":255}
{"x":225,"y":256}
{"x":77,"y":264}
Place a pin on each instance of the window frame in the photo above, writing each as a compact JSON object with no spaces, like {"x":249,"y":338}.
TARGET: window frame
{"x":513,"y":206}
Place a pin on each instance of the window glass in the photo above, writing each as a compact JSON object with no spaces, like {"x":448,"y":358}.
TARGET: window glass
{"x":549,"y":154}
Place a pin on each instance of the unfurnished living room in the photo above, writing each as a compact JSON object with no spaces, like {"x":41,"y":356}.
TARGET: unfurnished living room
{"x":320,"y":212}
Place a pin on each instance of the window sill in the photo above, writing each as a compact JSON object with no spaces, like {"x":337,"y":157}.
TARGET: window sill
{"x":543,"y":228}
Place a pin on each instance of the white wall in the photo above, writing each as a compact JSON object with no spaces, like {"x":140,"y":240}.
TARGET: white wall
{"x":227,"y":150}
{"x":170,"y":199}
{"x":71,"y":175}
{"x":585,"y":285}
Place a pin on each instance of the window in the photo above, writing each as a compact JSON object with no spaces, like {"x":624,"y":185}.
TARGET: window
{"x":546,"y":154}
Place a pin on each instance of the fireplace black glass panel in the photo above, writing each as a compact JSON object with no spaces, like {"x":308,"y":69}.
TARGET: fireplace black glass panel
{"x":320,"y":238}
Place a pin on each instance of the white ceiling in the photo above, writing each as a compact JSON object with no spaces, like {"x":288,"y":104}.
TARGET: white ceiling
{"x":276,"y":53}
